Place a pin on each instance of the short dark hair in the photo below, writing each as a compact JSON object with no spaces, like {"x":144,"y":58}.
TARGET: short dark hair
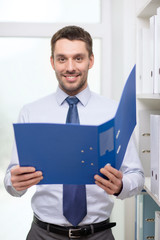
{"x":72,"y":33}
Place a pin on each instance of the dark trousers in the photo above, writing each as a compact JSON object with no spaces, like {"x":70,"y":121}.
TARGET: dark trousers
{"x":37,"y":233}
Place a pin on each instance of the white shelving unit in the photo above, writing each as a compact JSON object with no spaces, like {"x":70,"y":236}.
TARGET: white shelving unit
{"x":146,"y":104}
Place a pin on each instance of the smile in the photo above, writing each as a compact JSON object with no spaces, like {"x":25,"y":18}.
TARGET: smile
{"x":71,"y":77}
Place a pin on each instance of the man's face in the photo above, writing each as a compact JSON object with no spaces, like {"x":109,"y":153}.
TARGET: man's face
{"x":71,"y":63}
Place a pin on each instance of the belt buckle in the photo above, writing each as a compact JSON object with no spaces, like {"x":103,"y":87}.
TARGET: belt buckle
{"x":71,"y":233}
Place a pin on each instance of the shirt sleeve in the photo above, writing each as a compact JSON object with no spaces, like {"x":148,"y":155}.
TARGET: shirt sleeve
{"x":14,"y":162}
{"x":133,"y":174}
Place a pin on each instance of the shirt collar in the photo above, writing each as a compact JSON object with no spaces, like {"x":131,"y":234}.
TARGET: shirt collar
{"x":83,"y":96}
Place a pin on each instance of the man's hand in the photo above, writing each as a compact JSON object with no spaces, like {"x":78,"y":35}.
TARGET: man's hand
{"x":114,"y":183}
{"x":25,"y":177}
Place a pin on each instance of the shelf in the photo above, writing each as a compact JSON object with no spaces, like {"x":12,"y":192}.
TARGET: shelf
{"x":148,"y":96}
{"x":149,"y":101}
{"x":148,"y":9}
{"x":147,"y":187}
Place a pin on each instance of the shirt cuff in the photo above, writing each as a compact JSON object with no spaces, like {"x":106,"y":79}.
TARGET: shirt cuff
{"x":126,"y":187}
{"x":132,"y":185}
{"x":9,"y":187}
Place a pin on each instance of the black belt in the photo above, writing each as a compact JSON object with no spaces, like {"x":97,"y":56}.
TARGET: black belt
{"x":75,"y":232}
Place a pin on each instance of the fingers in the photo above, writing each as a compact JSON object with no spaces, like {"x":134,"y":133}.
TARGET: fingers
{"x":106,"y":185}
{"x":114,"y":184}
{"x":20,"y":186}
{"x":113,"y":174}
{"x":17,"y":170}
{"x":23,"y":178}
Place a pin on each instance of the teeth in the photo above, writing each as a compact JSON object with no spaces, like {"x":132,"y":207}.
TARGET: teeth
{"x":70,"y":77}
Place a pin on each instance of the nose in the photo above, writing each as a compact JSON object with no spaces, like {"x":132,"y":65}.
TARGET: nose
{"x":70,"y":65}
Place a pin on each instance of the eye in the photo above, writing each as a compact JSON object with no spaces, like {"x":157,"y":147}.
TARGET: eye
{"x":79,"y":59}
{"x":61,"y":59}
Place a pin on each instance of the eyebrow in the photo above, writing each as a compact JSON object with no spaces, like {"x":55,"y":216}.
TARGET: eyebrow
{"x":76,"y":55}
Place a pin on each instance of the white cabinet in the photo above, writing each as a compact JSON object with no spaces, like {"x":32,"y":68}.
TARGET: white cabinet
{"x":147,"y":101}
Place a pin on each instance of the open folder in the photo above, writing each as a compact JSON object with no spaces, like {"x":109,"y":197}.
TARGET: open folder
{"x":73,"y":154}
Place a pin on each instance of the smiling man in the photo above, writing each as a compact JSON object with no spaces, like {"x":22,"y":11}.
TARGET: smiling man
{"x":71,"y":62}
{"x":73,"y":211}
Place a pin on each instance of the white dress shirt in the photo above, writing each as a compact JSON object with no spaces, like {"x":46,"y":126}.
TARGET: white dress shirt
{"x":93,"y":109}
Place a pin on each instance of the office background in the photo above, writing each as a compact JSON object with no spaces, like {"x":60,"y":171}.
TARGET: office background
{"x":25,"y":31}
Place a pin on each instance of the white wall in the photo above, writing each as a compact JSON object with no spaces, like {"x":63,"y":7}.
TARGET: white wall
{"x":117,"y":48}
{"x":123,"y":59}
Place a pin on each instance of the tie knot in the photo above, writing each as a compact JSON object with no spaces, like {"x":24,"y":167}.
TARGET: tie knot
{"x":72,"y":100}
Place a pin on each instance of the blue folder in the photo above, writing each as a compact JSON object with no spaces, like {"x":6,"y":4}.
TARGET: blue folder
{"x":73,"y":154}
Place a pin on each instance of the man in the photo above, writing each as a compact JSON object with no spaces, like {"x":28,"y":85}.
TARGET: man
{"x":71,"y":59}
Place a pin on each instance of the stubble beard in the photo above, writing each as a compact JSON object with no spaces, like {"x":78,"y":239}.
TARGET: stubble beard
{"x":72,"y":88}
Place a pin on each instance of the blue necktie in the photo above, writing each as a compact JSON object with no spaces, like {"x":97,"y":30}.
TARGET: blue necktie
{"x":74,"y":196}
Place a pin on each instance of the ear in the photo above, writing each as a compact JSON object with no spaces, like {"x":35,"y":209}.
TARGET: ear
{"x":52,"y":62}
{"x":91,"y":61}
